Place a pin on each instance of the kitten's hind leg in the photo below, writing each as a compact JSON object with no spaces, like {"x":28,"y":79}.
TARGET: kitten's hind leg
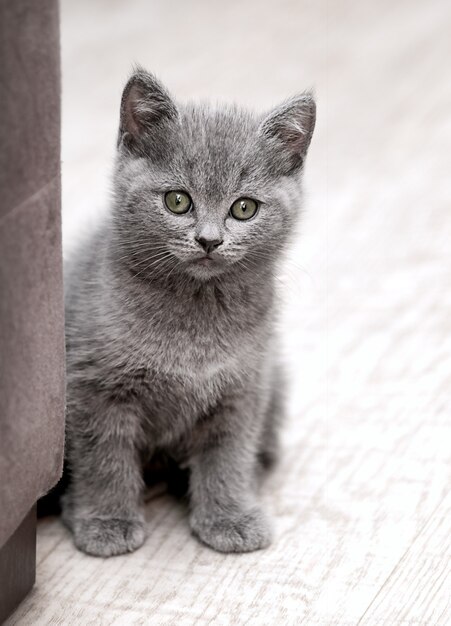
{"x":269,"y":448}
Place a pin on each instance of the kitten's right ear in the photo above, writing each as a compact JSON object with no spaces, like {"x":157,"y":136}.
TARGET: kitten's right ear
{"x":146,"y":108}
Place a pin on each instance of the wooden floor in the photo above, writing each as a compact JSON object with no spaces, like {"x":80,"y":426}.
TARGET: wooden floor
{"x":361,"y":502}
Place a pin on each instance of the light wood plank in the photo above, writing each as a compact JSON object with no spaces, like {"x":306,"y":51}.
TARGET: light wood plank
{"x":418,"y":591}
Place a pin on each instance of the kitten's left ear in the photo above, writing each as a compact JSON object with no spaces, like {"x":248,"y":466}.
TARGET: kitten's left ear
{"x":288,"y":130}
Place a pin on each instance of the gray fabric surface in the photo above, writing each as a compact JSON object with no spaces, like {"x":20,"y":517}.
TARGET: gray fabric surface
{"x":31,"y":291}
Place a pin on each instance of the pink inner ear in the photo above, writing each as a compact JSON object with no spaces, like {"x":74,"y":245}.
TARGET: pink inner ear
{"x":293,"y":134}
{"x":131,"y":111}
{"x":292,"y":125}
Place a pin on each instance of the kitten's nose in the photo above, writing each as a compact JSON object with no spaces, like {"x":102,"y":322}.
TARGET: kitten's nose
{"x":209,"y":244}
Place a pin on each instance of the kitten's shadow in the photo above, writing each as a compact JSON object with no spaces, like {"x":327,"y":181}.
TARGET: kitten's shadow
{"x":163,"y":476}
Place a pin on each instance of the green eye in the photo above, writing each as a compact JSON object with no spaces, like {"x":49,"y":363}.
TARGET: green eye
{"x":178,"y":202}
{"x":243,"y":209}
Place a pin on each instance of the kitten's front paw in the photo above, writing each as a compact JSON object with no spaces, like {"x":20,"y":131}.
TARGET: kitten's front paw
{"x":108,"y":537}
{"x":245,"y":531}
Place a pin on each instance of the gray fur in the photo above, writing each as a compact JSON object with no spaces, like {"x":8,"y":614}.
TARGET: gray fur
{"x":165,"y":353}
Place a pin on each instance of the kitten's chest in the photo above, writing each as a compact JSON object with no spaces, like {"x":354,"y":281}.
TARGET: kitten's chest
{"x":170,"y":405}
{"x":176,"y":364}
{"x":201,"y":337}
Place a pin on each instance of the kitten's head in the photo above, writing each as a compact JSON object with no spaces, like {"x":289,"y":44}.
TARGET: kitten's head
{"x":204,"y":190}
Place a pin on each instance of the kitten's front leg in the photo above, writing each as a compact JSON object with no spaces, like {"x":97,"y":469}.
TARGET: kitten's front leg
{"x":224,"y":511}
{"x":103,"y":504}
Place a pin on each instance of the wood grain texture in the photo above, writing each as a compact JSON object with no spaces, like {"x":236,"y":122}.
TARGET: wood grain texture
{"x":361,"y":499}
{"x":418,"y":590}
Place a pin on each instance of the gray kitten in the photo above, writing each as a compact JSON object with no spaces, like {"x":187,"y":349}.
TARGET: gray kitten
{"x":170,"y":311}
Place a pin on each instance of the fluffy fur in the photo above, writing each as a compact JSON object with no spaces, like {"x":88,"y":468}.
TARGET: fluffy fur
{"x":168,"y":351}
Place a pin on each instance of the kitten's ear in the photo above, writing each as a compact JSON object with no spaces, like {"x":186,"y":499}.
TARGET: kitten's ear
{"x":146,"y":108}
{"x":288,"y":130}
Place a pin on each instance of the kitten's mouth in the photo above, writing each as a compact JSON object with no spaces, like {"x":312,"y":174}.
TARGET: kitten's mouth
{"x":206,"y":266}
{"x":205,"y":260}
